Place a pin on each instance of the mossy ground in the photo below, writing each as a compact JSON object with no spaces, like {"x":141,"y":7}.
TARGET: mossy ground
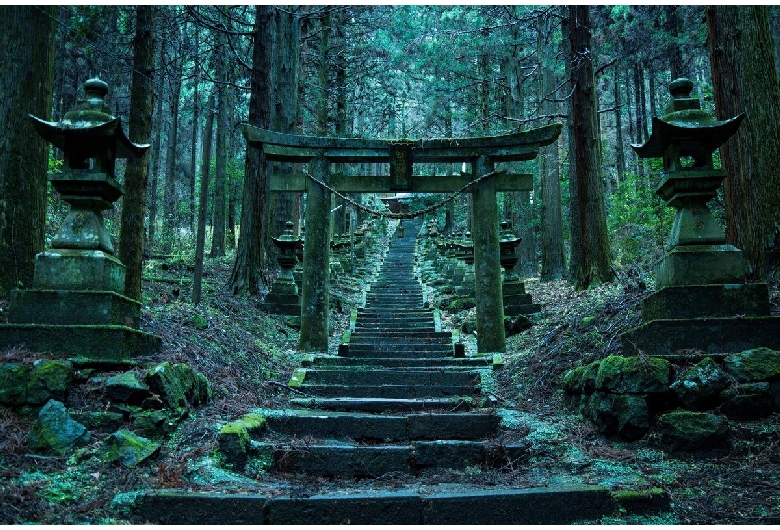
{"x":249,"y":356}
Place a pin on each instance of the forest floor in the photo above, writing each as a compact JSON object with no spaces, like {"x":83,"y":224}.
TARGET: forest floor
{"x":248,"y":357}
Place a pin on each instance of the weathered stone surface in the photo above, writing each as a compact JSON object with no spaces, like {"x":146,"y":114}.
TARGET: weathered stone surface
{"x":49,"y":379}
{"x":99,"y":420}
{"x":748,"y":401}
{"x":177,"y":385}
{"x":129,"y":449}
{"x":696,"y":301}
{"x":642,"y":502}
{"x":516,"y":325}
{"x":623,"y":415}
{"x":126,"y":388}
{"x":633,"y":375}
{"x":41,"y":306}
{"x":89,"y":270}
{"x":390,"y":507}
{"x":233,"y":443}
{"x":759,"y":364}
{"x":157,"y":423}
{"x":699,"y":388}
{"x":692,"y":431}
{"x":13,"y":383}
{"x":582,"y":379}
{"x":701,"y":265}
{"x":56,"y":431}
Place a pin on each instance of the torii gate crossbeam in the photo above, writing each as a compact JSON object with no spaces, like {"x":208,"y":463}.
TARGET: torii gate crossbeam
{"x":480,"y":152}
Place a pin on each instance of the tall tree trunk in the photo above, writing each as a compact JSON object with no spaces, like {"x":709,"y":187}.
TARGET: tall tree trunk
{"x":26,"y":83}
{"x":553,"y":261}
{"x":195,"y":122}
{"x":247,"y":275}
{"x":200,"y":239}
{"x":171,"y":195}
{"x":673,"y":27}
{"x":620,"y":154}
{"x":745,"y":80}
{"x":575,"y":259}
{"x":595,"y":262}
{"x":131,"y":234}
{"x":220,"y":174}
{"x":156,"y":155}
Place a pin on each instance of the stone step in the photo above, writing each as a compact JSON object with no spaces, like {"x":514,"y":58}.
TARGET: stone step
{"x":395,"y":362}
{"x":301,"y":423}
{"x":363,"y":352}
{"x":388,"y":391}
{"x":390,"y":405}
{"x":432,"y":505}
{"x":360,"y":461}
{"x":380,"y":376}
{"x":386,"y":336}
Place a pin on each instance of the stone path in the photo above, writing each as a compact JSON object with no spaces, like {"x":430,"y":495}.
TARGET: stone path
{"x":395,"y":400}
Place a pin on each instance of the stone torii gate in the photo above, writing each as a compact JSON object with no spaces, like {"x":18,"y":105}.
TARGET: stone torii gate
{"x":483,"y":182}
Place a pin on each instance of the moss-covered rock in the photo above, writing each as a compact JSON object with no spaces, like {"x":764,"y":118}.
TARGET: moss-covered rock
{"x":129,"y":449}
{"x":126,"y":388}
{"x":156,"y":423}
{"x":49,"y":379}
{"x":516,"y":325}
{"x":633,"y":375}
{"x":572,"y":381}
{"x":589,"y":377}
{"x":100,"y":420}
{"x":461,"y":304}
{"x":13,"y":383}
{"x":699,"y":388}
{"x":233,"y":443}
{"x":178,"y":385}
{"x":623,"y":415}
{"x":748,"y":401}
{"x":685,"y":430}
{"x":56,"y":431}
{"x":749,"y":366}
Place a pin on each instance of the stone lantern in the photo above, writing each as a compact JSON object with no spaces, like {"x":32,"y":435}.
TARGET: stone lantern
{"x":283,"y":298}
{"x":516,"y":300}
{"x":466,"y":257}
{"x":700,"y":282}
{"x":76,"y":303}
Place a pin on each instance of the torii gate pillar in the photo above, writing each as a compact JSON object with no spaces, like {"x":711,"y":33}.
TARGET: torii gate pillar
{"x":315,"y":287}
{"x":491,"y":337}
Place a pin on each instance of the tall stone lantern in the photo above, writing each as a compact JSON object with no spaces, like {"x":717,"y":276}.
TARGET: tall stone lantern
{"x":76,"y":304}
{"x":516,"y":300}
{"x":701,"y":296}
{"x":283,"y":299}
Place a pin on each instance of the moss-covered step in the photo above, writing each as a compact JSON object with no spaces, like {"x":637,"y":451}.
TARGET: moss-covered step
{"x":347,"y":404}
{"x":331,"y":361}
{"x":351,"y":376}
{"x":99,"y":342}
{"x":388,"y":391}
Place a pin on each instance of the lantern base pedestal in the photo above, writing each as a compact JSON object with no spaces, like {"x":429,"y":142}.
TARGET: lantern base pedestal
{"x":700,"y":265}
{"x":283,"y":299}
{"x":87,"y":270}
{"x":62,"y":307}
{"x":707,"y":301}
{"x":708,"y":335}
{"x":516,"y":300}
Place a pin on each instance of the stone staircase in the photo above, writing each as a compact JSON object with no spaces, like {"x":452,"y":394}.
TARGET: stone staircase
{"x":400,"y":398}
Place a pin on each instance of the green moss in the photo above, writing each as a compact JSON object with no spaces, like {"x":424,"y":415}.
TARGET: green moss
{"x":49,"y":379}
{"x":760,"y":364}
{"x":13,"y":383}
{"x":692,"y":431}
{"x":633,"y":375}
{"x":297,"y":378}
{"x":253,"y":421}
{"x":129,"y":449}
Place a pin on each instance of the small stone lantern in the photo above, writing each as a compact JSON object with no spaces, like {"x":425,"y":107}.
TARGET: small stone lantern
{"x":283,"y":298}
{"x":516,"y":300}
{"x":466,"y":257}
{"x":701,"y":294}
{"x":76,"y":304}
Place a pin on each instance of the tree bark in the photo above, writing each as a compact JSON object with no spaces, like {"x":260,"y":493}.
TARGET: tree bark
{"x":247,"y":275}
{"x":220,"y":174}
{"x":131,"y":234}
{"x":170,"y":189}
{"x":26,"y":83}
{"x":200,"y":239}
{"x":595,"y":262}
{"x":156,"y":155}
{"x":745,"y":80}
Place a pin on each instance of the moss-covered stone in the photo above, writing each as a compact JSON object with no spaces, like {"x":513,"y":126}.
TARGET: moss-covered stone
{"x":572,"y":381}
{"x":156,"y":423}
{"x":699,"y":388}
{"x":748,"y":401}
{"x":129,"y":449}
{"x":100,"y":420}
{"x":692,"y":431}
{"x":633,"y":375}
{"x":233,"y":443}
{"x":461,"y":304}
{"x":516,"y":325}
{"x":622,"y":415}
{"x":759,"y":364}
{"x":56,"y":431}
{"x":589,"y":377}
{"x":13,"y":383}
{"x":49,"y":379}
{"x":126,"y":388}
{"x":177,"y":385}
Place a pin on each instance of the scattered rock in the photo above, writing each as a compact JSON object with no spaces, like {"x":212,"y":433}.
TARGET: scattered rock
{"x":56,"y":431}
{"x":749,"y":401}
{"x":699,"y":388}
{"x":178,"y":386}
{"x":685,"y":430}
{"x":129,"y":449}
{"x":157,"y":423}
{"x":516,"y":325}
{"x":49,"y":379}
{"x":13,"y":383}
{"x":623,"y":415}
{"x":234,"y":439}
{"x":103,"y":421}
{"x":749,"y":366}
{"x":633,"y":375}
{"x":126,"y":388}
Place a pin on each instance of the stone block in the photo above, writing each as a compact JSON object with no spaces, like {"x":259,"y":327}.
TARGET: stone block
{"x":692,"y":431}
{"x":699,"y":301}
{"x":388,"y":507}
{"x":700,"y":265}
{"x":77,"y":270}
{"x":13,"y":383}
{"x":710,"y":335}
{"x":129,"y":449}
{"x":749,"y":401}
{"x":62,"y":307}
{"x":699,"y":387}
{"x":56,"y":431}
{"x":49,"y":379}
{"x":126,"y":388}
{"x":759,"y":364}
{"x":623,"y":415}
{"x":633,"y":375}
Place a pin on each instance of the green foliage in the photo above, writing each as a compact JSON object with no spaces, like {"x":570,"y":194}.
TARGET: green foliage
{"x":638,"y":223}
